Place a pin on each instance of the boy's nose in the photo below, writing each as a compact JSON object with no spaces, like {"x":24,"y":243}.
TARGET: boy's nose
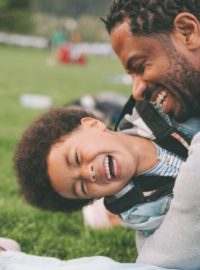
{"x":139,"y":88}
{"x":88,"y":173}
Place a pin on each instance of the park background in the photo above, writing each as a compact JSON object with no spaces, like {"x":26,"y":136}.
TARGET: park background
{"x":36,"y":71}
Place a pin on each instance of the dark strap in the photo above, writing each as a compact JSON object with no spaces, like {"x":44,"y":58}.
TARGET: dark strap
{"x":131,"y":198}
{"x":136,"y":195}
{"x":128,"y":107}
{"x":158,"y":186}
{"x":149,"y":182}
{"x":162,"y":130}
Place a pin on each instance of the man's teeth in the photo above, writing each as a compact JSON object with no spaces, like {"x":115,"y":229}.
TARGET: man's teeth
{"x":160,"y":98}
{"x":110,"y":167}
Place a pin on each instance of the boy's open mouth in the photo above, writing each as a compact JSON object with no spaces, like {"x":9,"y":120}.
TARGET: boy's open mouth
{"x":110,"y":166}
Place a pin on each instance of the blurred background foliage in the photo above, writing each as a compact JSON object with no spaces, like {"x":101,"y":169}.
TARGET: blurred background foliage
{"x":45,"y":17}
{"x":29,"y":70}
{"x":63,"y":235}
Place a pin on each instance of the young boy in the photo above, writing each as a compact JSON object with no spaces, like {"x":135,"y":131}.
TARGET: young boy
{"x":68,"y":158}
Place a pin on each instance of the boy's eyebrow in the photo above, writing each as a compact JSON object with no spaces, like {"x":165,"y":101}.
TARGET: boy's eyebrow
{"x":68,"y":161}
{"x":69,"y":156}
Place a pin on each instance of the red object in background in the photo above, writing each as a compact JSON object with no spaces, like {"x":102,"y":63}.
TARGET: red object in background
{"x":64,"y":56}
{"x":81,"y":60}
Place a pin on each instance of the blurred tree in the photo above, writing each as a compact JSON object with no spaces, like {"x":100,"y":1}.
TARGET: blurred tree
{"x":15,"y":16}
{"x":19,"y":4}
{"x":3,"y":3}
{"x":91,"y":29}
{"x":52,"y":16}
{"x":73,"y":8}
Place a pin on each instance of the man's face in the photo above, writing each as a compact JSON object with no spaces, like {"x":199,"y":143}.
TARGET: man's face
{"x":91,"y":162}
{"x":160,"y":72}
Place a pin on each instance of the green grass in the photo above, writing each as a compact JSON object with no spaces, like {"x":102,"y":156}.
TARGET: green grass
{"x":25,"y":70}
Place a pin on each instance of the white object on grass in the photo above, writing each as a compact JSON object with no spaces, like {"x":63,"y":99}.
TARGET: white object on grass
{"x":35,"y":101}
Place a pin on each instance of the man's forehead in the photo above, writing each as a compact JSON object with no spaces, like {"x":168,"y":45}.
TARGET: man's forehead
{"x":123,"y":39}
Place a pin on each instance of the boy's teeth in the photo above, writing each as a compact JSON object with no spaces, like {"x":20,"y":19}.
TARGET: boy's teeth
{"x":110,"y":167}
{"x":108,"y":174}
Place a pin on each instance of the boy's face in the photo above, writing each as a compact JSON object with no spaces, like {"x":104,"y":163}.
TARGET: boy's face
{"x":91,"y":162}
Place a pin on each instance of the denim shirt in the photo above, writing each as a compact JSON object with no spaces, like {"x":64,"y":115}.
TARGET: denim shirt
{"x":147,"y":217}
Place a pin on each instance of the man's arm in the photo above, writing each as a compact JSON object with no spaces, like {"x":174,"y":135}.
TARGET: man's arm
{"x":23,"y":261}
{"x":177,"y":242}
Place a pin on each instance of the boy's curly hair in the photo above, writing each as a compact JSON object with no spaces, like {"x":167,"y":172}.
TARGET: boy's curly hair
{"x":30,"y":159}
{"x":149,"y":16}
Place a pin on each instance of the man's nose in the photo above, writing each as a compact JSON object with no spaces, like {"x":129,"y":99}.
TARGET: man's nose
{"x":139,"y":88}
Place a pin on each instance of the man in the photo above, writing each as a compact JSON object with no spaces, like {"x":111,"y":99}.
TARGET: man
{"x":158,"y":43}
{"x":22,"y":261}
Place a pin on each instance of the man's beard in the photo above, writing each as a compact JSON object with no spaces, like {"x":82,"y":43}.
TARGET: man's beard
{"x":183,"y":81}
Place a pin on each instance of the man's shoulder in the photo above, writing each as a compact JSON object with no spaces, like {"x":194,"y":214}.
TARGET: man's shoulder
{"x":196,"y":139}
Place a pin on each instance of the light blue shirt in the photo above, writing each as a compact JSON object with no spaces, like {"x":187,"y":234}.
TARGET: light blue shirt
{"x":147,"y":217}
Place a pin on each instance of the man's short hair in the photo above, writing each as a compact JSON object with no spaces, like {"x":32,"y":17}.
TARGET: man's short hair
{"x":149,"y":16}
{"x":30,"y":159}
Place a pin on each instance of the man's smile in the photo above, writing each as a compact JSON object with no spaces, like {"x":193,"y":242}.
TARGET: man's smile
{"x":160,"y":99}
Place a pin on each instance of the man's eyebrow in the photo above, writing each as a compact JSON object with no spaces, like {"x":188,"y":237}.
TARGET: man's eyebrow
{"x":133,"y":59}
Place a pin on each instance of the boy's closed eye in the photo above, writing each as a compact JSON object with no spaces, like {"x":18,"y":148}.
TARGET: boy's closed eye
{"x":77,"y":158}
{"x":83,"y":187}
{"x":79,"y":189}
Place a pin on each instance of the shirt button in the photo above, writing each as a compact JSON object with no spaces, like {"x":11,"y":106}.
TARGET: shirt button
{"x":166,"y":159}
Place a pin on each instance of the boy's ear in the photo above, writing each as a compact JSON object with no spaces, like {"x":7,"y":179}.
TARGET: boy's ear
{"x":186,"y":28}
{"x":92,"y":122}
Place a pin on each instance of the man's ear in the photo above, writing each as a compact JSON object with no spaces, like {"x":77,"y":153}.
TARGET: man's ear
{"x":92,"y":122}
{"x":186,"y":28}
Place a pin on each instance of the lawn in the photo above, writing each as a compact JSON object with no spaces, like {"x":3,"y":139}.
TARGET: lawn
{"x":25,"y":70}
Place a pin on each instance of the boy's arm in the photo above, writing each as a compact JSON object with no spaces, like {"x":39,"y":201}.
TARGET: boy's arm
{"x":177,"y":242}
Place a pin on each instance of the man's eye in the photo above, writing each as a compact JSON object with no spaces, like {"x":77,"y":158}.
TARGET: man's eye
{"x":138,"y":69}
{"x":141,"y":68}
